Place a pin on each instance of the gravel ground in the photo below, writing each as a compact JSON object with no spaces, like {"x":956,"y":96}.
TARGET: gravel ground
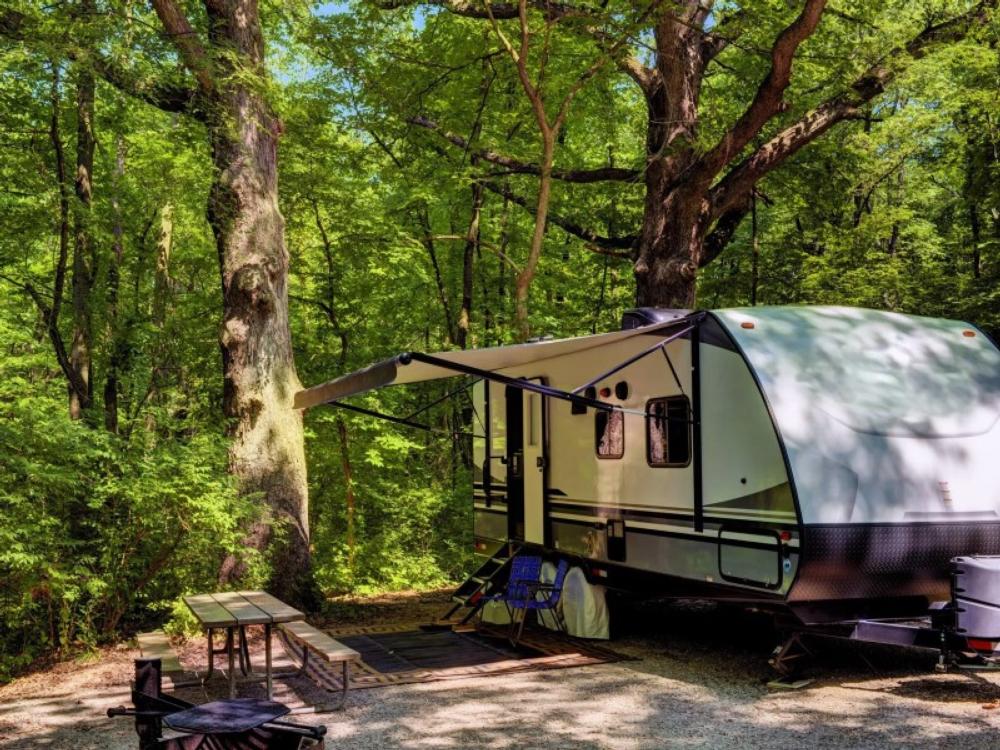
{"x":697,"y":679}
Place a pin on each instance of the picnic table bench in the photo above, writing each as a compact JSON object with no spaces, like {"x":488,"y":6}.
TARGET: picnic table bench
{"x":326,"y":648}
{"x":156,"y":645}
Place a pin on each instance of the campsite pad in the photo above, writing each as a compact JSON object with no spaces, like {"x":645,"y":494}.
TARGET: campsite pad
{"x":406,"y":654}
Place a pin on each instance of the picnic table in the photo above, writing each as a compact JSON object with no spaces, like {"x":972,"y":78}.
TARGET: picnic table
{"x":233,"y":611}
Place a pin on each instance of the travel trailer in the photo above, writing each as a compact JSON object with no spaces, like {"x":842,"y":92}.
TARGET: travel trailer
{"x":826,"y":463}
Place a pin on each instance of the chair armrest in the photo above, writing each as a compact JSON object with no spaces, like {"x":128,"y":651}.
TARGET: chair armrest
{"x":538,"y":587}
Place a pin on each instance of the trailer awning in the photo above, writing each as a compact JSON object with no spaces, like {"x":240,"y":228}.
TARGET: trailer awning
{"x":410,"y":368}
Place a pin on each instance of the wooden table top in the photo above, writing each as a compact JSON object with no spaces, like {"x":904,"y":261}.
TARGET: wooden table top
{"x":235,"y":608}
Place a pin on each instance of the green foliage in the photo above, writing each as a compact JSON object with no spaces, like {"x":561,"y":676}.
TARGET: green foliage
{"x":99,"y":533}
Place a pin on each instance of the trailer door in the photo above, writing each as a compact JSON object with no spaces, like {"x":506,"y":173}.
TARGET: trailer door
{"x":526,"y":464}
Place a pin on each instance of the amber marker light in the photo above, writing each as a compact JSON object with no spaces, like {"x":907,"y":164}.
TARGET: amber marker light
{"x":747,"y":324}
{"x":968,"y":334}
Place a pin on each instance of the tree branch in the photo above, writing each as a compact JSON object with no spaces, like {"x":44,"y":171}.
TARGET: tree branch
{"x":630,"y":65}
{"x":501,"y":11}
{"x":716,"y":40}
{"x":62,"y":356}
{"x":645,"y":78}
{"x":185,"y":39}
{"x":588,"y":235}
{"x":735,"y":186}
{"x":723,"y":232}
{"x":464,"y":238}
{"x":768,"y":100}
{"x":165,"y":96}
{"x":603,"y":174}
{"x":12,"y":24}
{"x":610,"y":53}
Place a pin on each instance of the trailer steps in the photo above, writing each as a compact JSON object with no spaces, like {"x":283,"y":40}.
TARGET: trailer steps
{"x":485,"y":580}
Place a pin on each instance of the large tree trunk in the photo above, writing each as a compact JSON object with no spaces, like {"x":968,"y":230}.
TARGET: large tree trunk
{"x":673,"y":235}
{"x":267,"y":453}
{"x":675,"y":215}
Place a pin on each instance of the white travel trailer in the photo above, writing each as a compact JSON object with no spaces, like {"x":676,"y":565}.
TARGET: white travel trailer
{"x":823,"y":462}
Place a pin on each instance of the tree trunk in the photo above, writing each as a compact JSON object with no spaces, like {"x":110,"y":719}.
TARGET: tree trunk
{"x":472,"y":249}
{"x":522,"y":283}
{"x":267,"y":453}
{"x":160,"y":305}
{"x":83,"y":251}
{"x":50,"y":313}
{"x":428,"y":242}
{"x":161,"y":281}
{"x":670,"y":246}
{"x":349,"y":500}
{"x":464,"y":323}
{"x":974,"y":226}
{"x":503,"y":308}
{"x":117,"y":359}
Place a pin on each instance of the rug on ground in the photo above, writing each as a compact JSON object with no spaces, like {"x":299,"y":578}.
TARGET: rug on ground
{"x":406,"y":654}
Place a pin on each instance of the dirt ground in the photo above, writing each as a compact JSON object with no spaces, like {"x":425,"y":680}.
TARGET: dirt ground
{"x":697,"y":679}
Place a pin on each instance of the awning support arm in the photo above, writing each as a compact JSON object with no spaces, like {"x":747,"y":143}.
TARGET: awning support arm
{"x":670,"y":364}
{"x":445,"y":397}
{"x":634,"y":358}
{"x":398,"y":420}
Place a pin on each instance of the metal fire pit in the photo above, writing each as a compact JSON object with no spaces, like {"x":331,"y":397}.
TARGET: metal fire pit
{"x":235,"y":724}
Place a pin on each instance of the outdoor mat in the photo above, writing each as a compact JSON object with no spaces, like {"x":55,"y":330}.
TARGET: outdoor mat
{"x":405,"y":654}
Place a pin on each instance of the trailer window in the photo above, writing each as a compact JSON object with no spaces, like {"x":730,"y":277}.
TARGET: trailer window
{"x":668,"y":431}
{"x":609,"y":434}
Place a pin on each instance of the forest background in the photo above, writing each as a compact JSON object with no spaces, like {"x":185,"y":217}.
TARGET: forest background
{"x":449,"y":174}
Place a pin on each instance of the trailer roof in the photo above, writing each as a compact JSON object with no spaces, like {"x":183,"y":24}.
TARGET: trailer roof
{"x":875,"y":372}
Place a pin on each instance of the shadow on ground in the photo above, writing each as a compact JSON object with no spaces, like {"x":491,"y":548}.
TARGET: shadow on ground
{"x":698,"y":680}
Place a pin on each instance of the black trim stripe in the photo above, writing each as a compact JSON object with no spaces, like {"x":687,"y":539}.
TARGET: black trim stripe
{"x":714,"y":539}
{"x":643,"y":515}
{"x":595,"y":524}
{"x":694,"y":536}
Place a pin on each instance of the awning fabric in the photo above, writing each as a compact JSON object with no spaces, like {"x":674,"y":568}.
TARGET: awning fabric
{"x":403,"y":369}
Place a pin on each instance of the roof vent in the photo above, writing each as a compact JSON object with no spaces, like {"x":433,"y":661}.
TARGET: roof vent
{"x":645,"y":316}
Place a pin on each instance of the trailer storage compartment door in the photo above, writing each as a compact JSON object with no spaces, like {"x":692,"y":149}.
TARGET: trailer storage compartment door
{"x":751,"y":558}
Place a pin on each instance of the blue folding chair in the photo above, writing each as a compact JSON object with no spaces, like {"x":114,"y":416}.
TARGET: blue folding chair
{"x":524,"y":592}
